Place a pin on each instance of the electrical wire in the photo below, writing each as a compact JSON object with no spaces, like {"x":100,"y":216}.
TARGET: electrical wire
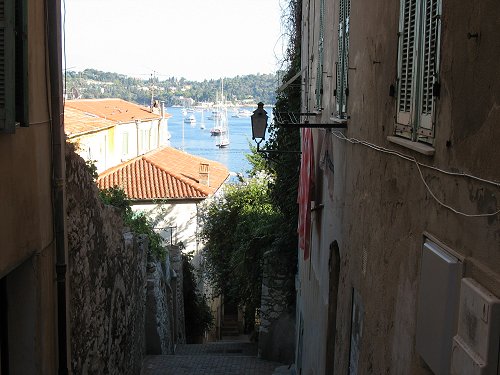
{"x":419,"y":166}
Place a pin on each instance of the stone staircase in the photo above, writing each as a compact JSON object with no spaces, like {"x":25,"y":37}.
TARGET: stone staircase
{"x":230,"y":326}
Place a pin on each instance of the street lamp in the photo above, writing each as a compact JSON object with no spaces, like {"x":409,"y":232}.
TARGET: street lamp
{"x":259,"y":124}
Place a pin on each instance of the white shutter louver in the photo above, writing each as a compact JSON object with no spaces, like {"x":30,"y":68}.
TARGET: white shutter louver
{"x":430,"y":64}
{"x":342,"y":67}
{"x":406,"y":61}
{"x":319,"y":70}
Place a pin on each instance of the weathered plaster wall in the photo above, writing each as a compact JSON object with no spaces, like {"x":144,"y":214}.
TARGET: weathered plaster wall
{"x":378,"y":208}
{"x":27,"y":249}
{"x":107,"y":270}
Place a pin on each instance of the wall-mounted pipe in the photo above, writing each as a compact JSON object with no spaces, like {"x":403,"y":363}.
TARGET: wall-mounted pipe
{"x":58,"y":174}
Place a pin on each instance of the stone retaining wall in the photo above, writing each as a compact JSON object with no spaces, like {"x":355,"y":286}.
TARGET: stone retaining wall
{"x":277,"y":318}
{"x":107,"y":281}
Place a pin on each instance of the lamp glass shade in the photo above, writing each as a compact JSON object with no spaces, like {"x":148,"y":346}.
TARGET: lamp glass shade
{"x":259,"y":123}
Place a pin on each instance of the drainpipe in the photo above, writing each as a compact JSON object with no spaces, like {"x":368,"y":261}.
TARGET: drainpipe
{"x":58,"y":178}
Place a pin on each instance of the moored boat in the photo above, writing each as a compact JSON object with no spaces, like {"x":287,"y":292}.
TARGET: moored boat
{"x":190,"y":119}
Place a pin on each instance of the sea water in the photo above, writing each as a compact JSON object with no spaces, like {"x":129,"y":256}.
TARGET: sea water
{"x":194,"y":140}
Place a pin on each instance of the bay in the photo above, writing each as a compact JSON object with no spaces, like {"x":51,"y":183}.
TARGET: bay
{"x":196,"y":141}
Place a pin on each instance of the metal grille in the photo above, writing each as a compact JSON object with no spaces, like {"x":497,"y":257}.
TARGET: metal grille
{"x":429,"y":53}
{"x":407,"y":50}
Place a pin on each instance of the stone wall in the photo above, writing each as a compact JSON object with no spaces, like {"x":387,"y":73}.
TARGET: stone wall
{"x":107,"y":273}
{"x":159,"y":328}
{"x":177,"y":298}
{"x":165,"y":304}
{"x":277,"y":317}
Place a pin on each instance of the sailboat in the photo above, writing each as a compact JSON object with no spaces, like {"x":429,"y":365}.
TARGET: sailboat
{"x":223,"y":140}
{"x":202,"y":125}
{"x":221,"y":127}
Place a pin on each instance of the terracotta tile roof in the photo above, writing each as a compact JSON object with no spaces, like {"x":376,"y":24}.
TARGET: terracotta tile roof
{"x":165,"y":173}
{"x":78,"y":122}
{"x":116,"y":110}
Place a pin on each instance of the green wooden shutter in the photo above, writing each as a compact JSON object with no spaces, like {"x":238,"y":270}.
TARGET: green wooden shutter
{"x":7,"y":71}
{"x":319,"y":70}
{"x":406,"y":61}
{"x":431,"y":16}
{"x":21,"y":65}
{"x":342,"y":66}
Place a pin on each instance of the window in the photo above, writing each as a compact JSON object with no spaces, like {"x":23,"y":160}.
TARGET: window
{"x":342,"y":65}
{"x":319,"y":69}
{"x":418,"y":68}
{"x":125,"y":144}
{"x":13,"y":65}
{"x":145,"y":138}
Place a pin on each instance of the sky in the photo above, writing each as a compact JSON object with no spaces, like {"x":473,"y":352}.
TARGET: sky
{"x":194,"y":39}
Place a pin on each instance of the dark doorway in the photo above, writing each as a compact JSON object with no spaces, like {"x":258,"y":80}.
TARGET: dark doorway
{"x":334,"y":277}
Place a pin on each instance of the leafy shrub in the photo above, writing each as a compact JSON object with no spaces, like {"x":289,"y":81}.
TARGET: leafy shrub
{"x":138,"y":222}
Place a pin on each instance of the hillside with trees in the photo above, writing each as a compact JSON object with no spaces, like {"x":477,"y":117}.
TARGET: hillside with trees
{"x":92,"y":84}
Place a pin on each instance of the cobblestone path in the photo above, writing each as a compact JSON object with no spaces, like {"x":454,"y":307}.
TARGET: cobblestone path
{"x":238,"y":358}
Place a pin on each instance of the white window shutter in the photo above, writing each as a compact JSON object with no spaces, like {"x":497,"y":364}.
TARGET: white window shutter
{"x":431,"y":13}
{"x":7,"y":67}
{"x":406,"y":61}
{"x":338,"y":97}
{"x":319,"y":71}
{"x":343,"y":58}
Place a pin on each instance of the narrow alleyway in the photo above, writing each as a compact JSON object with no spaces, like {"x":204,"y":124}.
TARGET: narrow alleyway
{"x":218,"y":358}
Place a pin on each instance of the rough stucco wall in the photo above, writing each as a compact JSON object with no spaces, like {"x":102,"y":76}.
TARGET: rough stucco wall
{"x":107,"y":267}
{"x":381,"y":209}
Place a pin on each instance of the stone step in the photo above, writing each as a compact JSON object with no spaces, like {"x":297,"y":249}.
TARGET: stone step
{"x":230,"y":331}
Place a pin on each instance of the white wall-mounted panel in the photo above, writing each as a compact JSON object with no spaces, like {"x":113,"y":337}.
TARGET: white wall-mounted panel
{"x":438,"y":301}
{"x":476,"y":345}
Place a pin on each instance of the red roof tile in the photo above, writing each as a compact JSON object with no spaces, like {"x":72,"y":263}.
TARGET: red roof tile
{"x":78,"y":122}
{"x":116,"y":110}
{"x":165,"y":173}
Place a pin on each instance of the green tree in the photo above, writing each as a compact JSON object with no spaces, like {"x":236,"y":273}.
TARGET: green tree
{"x":260,"y":215}
{"x":238,"y":228}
